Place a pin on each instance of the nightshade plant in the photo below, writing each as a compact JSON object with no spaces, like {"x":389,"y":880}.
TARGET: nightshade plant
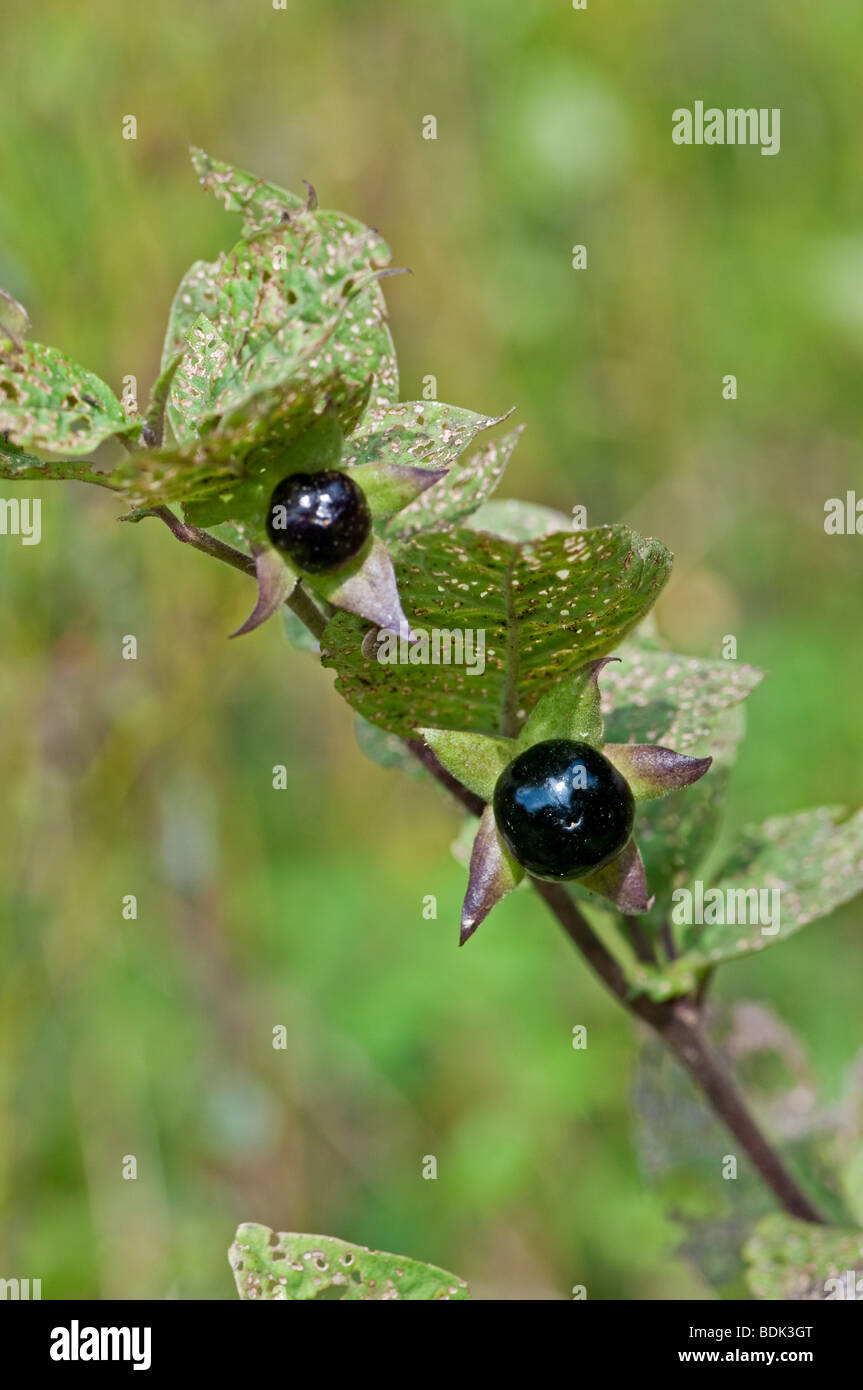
{"x":275,"y":427}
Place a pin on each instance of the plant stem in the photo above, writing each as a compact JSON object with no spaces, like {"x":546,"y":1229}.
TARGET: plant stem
{"x":676,"y":1021}
{"x":298,"y":601}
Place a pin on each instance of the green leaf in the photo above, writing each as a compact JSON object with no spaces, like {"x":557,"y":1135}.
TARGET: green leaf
{"x":791,"y":1259}
{"x":49,"y":402}
{"x":459,"y":493}
{"x":386,"y":749}
{"x":267,"y":1265}
{"x":814,"y":861}
{"x":513,"y":520}
{"x":261,"y":203}
{"x":807,"y":864}
{"x":203,"y":369}
{"x":657,"y":696}
{"x":540,"y":608}
{"x":476,"y":760}
{"x":18,"y":466}
{"x":153,"y":430}
{"x":197,"y":293}
{"x":693,"y":707}
{"x":424,"y":434}
{"x":570,"y":709}
{"x":299,"y":298}
{"x":323,"y":239}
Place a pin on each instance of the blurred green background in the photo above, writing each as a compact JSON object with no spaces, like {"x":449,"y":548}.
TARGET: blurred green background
{"x":304,"y":907}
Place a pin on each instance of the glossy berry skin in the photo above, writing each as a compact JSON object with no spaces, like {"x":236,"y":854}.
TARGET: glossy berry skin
{"x":319,"y":520}
{"x":562,"y":809}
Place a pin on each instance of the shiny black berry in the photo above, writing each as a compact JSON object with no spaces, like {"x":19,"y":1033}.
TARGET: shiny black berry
{"x":319,"y":520}
{"x":563,"y":809}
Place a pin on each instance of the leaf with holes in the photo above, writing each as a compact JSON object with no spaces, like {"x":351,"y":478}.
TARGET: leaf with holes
{"x":49,"y":402}
{"x":286,"y":1266}
{"x":320,"y":247}
{"x":692,"y":707}
{"x":420,"y":434}
{"x":459,"y":493}
{"x":18,"y":466}
{"x":261,"y":203}
{"x":518,"y":616}
{"x":792,"y":1259}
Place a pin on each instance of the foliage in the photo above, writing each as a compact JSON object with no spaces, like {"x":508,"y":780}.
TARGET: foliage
{"x":287,"y":1266}
{"x":278,"y":357}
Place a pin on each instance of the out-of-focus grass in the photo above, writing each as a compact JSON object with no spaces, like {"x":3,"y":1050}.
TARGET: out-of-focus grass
{"x":257,"y":908}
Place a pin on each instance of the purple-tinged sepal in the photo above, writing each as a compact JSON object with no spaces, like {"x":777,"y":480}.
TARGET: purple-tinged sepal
{"x":493,"y":874}
{"x":367,"y":587}
{"x":622,"y":881}
{"x":274,"y":583}
{"x":652,"y":770}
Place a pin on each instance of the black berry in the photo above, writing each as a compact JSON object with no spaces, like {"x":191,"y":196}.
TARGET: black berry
{"x":319,"y":520}
{"x":563,"y":809}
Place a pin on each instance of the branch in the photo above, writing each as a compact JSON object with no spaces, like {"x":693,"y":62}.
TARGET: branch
{"x":298,"y":600}
{"x":676,"y":1021}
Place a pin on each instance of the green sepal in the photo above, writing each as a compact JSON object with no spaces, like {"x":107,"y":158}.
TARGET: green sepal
{"x":474,"y":759}
{"x":388,"y":487}
{"x":570,"y":709}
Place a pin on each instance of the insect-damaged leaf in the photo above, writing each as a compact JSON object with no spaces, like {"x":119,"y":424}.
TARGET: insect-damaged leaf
{"x":285,"y":1265}
{"x":692,"y":707}
{"x":783,"y":874}
{"x":261,"y":203}
{"x":49,"y":402}
{"x":459,"y":493}
{"x":18,"y":466}
{"x":292,"y":257}
{"x":811,"y":861}
{"x":424,"y":434}
{"x":525,"y":613}
{"x":792,"y":1259}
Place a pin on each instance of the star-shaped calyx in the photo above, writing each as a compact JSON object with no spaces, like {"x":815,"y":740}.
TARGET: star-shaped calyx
{"x":560,"y":801}
{"x":305,"y":488}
